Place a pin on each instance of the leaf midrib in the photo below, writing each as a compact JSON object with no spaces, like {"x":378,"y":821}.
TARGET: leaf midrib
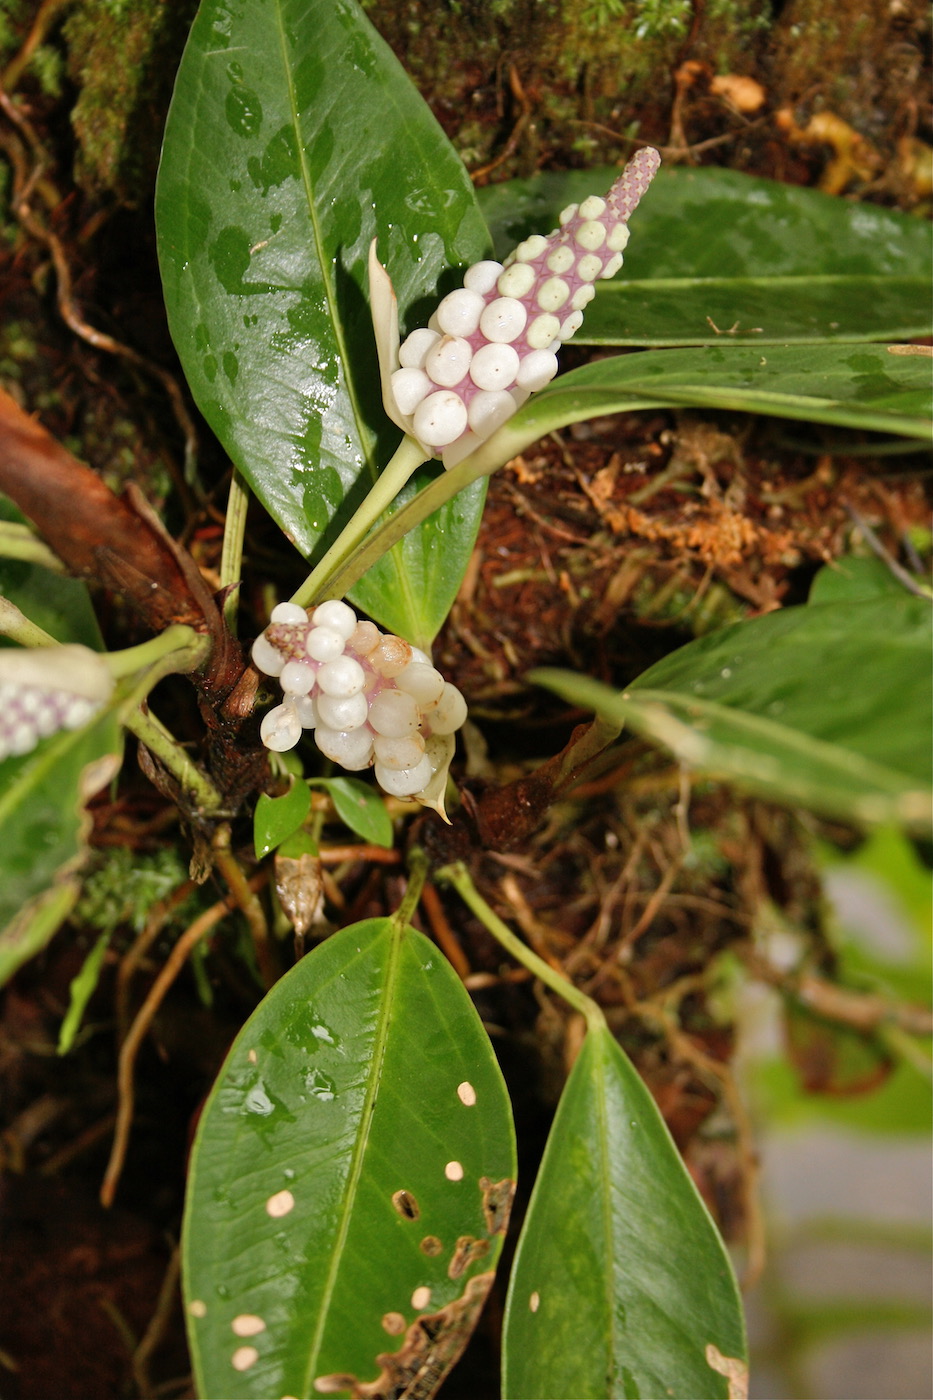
{"x":377,"y":1062}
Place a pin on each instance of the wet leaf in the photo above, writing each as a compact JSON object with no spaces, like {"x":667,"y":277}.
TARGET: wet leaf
{"x":277,"y":818}
{"x":765,"y":262}
{"x":294,"y":138}
{"x":348,"y":1178}
{"x":43,"y":829}
{"x":855,"y":386}
{"x":43,"y":794}
{"x":360,"y":807}
{"x":621,"y":1284}
{"x":796,"y":706}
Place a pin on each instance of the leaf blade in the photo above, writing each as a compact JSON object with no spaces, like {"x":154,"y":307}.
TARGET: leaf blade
{"x":272,"y":185}
{"x":602,"y":1301}
{"x":367,"y":1026}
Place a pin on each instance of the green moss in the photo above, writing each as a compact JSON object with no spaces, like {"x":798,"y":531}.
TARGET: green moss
{"x":122,"y":56}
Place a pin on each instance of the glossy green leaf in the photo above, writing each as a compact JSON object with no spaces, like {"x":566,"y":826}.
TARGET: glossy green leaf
{"x":340,"y":1173}
{"x":855,"y":386}
{"x":43,"y":829}
{"x":764,"y":262}
{"x":294,"y":138}
{"x":43,"y":822}
{"x":277,"y":818}
{"x":621,"y":1284}
{"x":797,"y":706}
{"x":360,"y":807}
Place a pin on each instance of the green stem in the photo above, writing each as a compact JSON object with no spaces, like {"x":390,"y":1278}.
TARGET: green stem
{"x":17,"y":626}
{"x":231,"y":559}
{"x":153,"y":733}
{"x":458,"y":876}
{"x":408,"y":457}
{"x":488,"y":458}
{"x":417,"y":874}
{"x":19,"y":542}
{"x":179,"y":646}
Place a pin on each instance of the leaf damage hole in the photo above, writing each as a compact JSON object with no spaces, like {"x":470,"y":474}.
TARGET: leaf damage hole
{"x":247,"y":1325}
{"x":280,"y":1204}
{"x":243,"y":1358}
{"x":197,"y":1307}
{"x":421,"y":1298}
{"x":534,"y":1302}
{"x":466,"y":1252}
{"x":431,"y":1246}
{"x":406,"y":1205}
{"x":497,"y":1203}
{"x":394,"y":1324}
{"x":733,"y":1368}
{"x":466,"y":1093}
{"x":432,"y":1345}
{"x":454,"y":1171}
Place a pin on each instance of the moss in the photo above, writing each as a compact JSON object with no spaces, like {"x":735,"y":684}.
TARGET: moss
{"x":122,"y":56}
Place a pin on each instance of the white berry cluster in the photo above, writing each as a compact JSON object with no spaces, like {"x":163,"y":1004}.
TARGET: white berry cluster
{"x":492,"y":342}
{"x":46,"y":689}
{"x":369,"y":697}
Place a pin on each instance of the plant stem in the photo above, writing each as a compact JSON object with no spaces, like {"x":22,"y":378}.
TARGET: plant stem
{"x":153,"y":733}
{"x":17,"y":626}
{"x":417,"y":874}
{"x":231,"y":558}
{"x":408,"y":457}
{"x":179,"y":648}
{"x":19,"y":542}
{"x":458,"y":876}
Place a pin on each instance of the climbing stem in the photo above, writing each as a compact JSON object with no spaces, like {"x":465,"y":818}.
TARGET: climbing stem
{"x":458,"y":876}
{"x":408,"y":457}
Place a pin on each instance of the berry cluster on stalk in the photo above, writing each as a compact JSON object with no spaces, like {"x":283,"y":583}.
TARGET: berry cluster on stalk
{"x":493,"y":342}
{"x":369,"y":697}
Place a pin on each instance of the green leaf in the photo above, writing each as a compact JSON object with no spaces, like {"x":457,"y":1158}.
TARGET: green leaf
{"x":797,"y":706}
{"x":765,"y":262}
{"x":43,"y":830}
{"x":326,"y":1207}
{"x":294,"y":138}
{"x":621,"y":1283}
{"x":360,"y":807}
{"x":851,"y":578}
{"x":60,"y":606}
{"x":82,"y":989}
{"x":43,"y":822}
{"x":855,"y":386}
{"x":277,"y":818}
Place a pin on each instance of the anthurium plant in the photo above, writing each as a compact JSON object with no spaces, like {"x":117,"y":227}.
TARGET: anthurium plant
{"x":370,"y":339}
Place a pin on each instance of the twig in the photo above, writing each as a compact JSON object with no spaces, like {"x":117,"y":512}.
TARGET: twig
{"x":243,"y":892}
{"x":141,"y":1023}
{"x":443,"y":933}
{"x":884,"y":554}
{"x":157,"y":1325}
{"x":158,"y":917}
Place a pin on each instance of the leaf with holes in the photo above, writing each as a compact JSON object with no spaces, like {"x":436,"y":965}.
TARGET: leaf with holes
{"x":797,"y":706}
{"x":621,"y":1285}
{"x":351,"y":1178}
{"x":294,"y":138}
